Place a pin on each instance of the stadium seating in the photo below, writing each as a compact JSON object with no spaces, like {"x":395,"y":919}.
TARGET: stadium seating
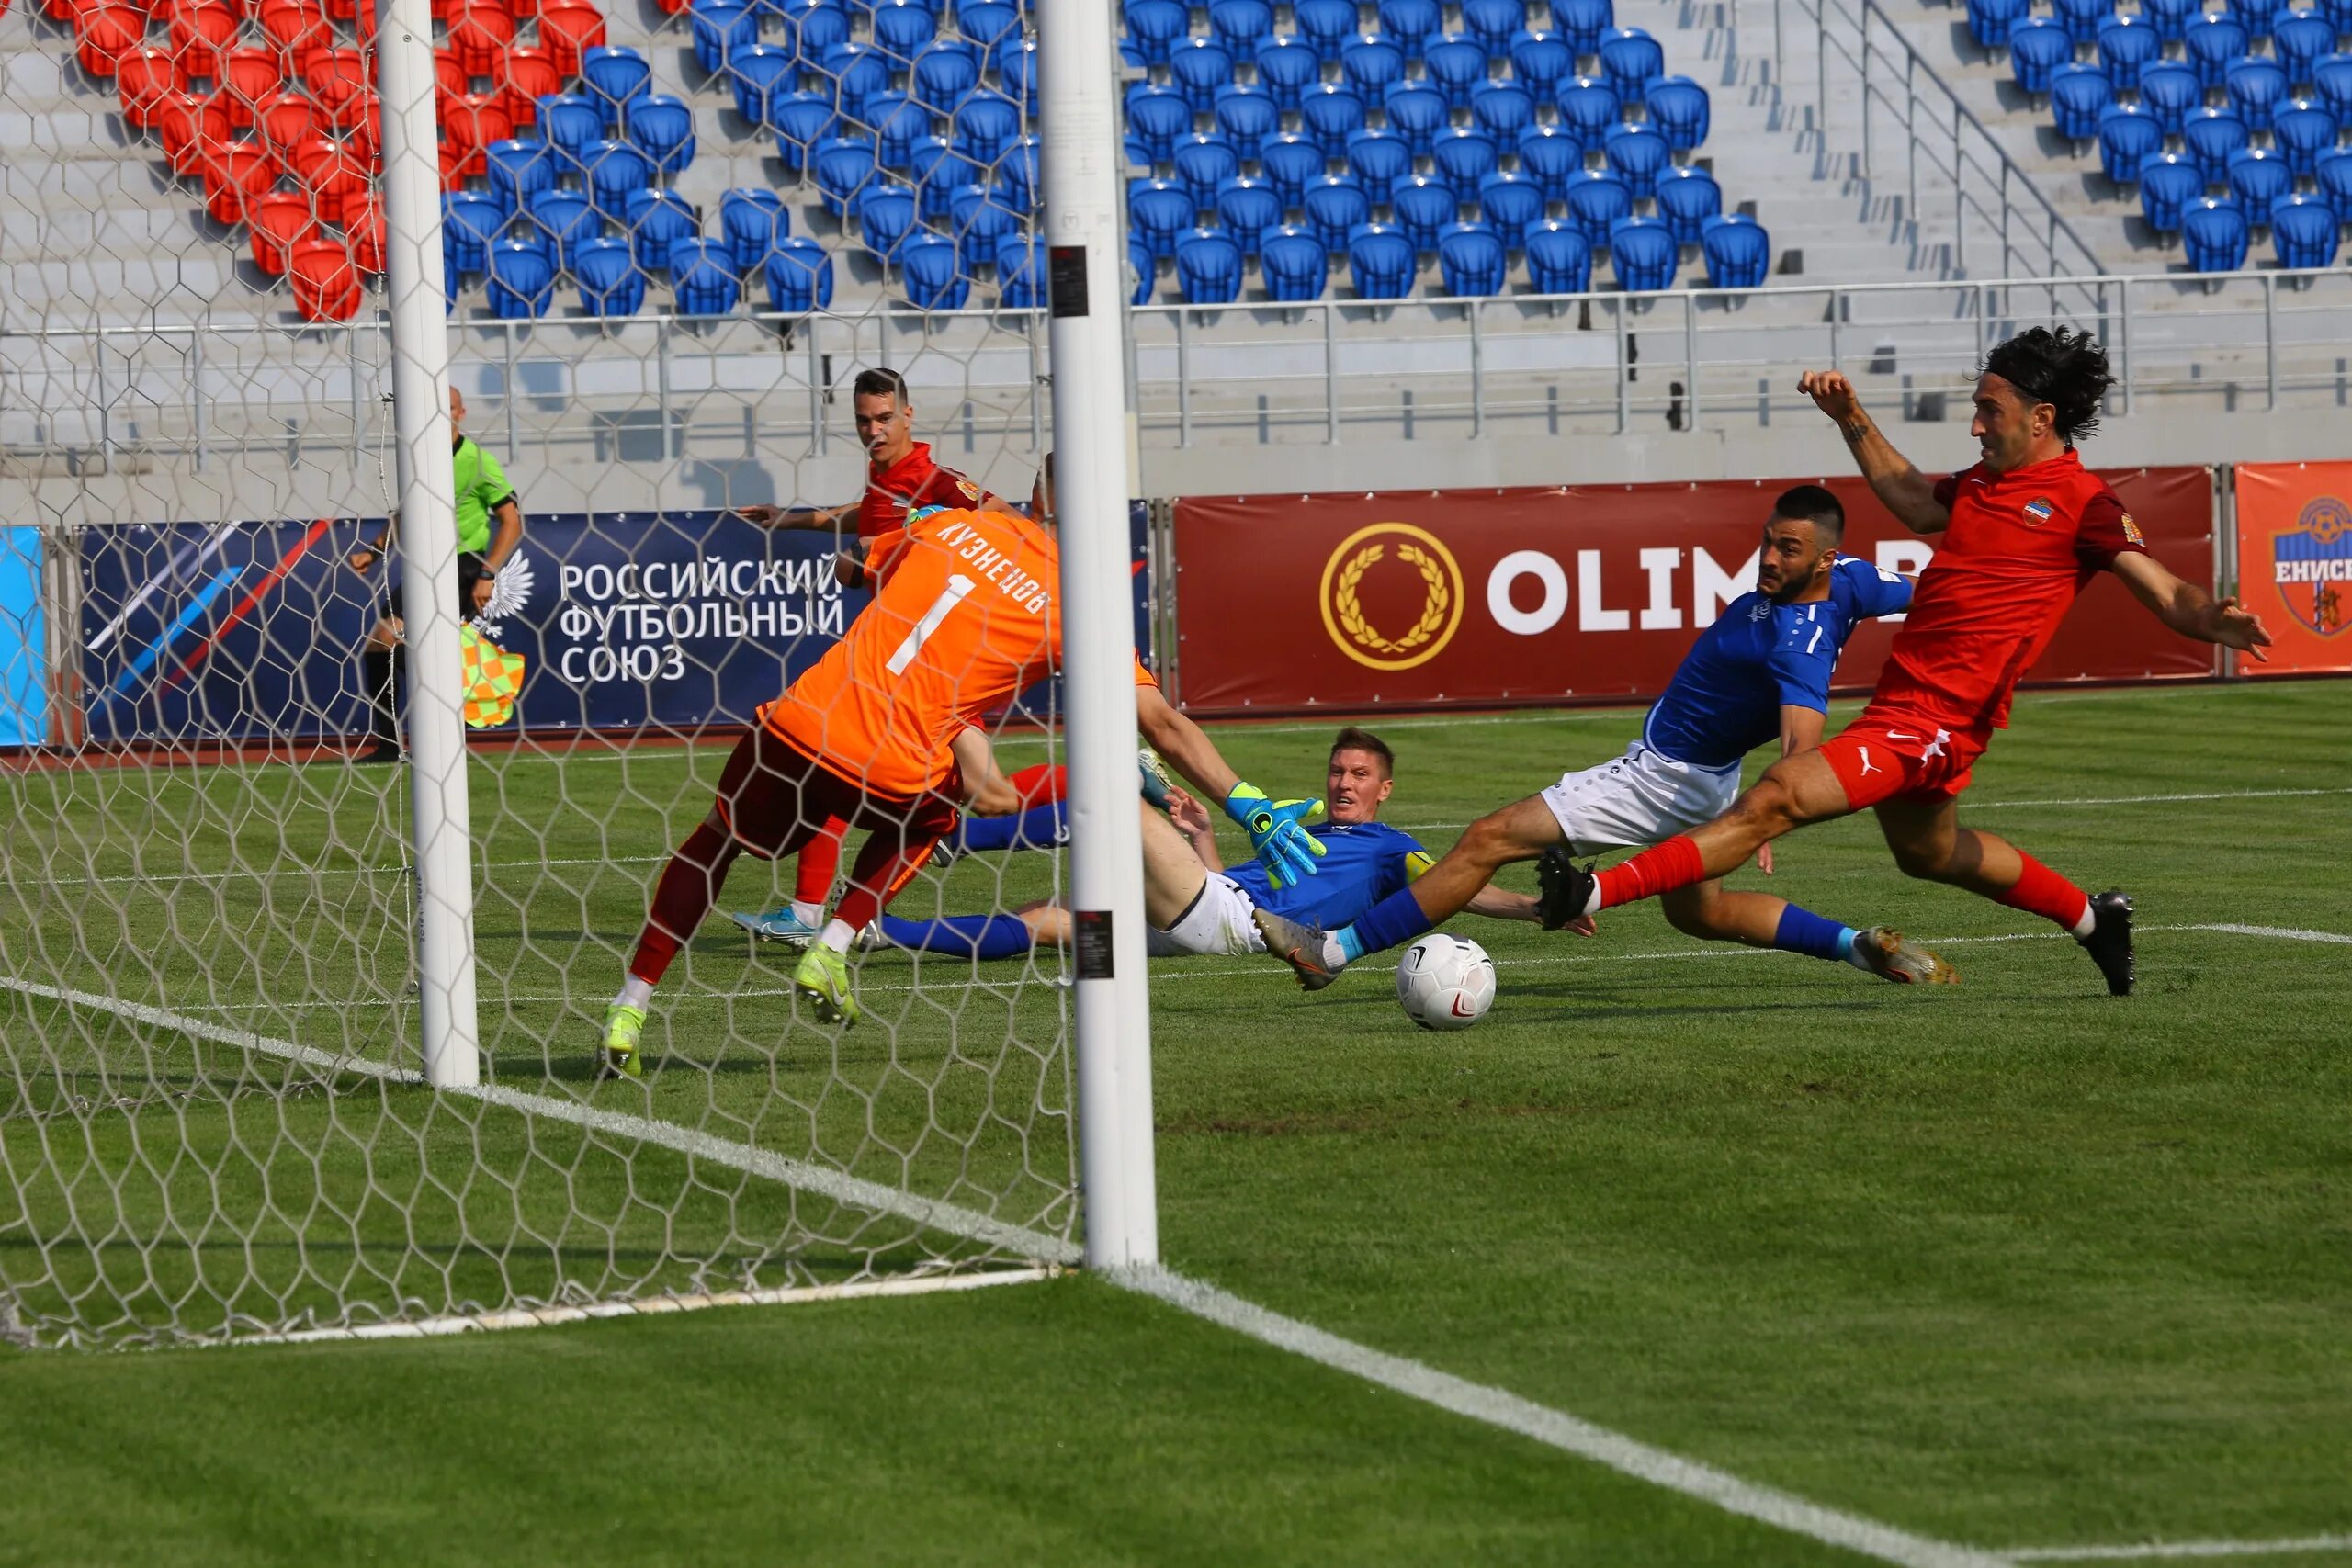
{"x":1158,"y":115}
{"x":1738,"y":251}
{"x":1204,"y":162}
{"x":1542,"y":59}
{"x":612,"y":76}
{"x":614,"y":169}
{"x":2255,"y":89}
{"x":2038,"y":46}
{"x":1158,"y":210}
{"x":842,"y":165}
{"x":1370,"y":64}
{"x":1242,"y":25}
{"x":1208,"y":267}
{"x":2330,"y":83}
{"x":755,"y":75}
{"x":1140,"y":261}
{"x":1509,"y":201}
{"x":1472,"y":260}
{"x":1417,"y":112}
{"x":1412,"y":22}
{"x":1686,"y":199}
{"x":1378,"y":158}
{"x":1336,"y":206}
{"x":1198,"y":67}
{"x":1631,"y":59}
{"x":569,"y":220}
{"x":1291,"y":162}
{"x":2170,"y":91}
{"x":2083,"y":19}
{"x":276,"y":222}
{"x":2299,"y":39}
{"x":1381,"y":262}
{"x":1642,"y":254}
{"x":1494,"y":23}
{"x":720,"y":28}
{"x":1455,"y":64}
{"x":1551,"y":156}
{"x":1583,"y":22}
{"x":1021,"y":274}
{"x":470,"y":220}
{"x":1423,"y":204}
{"x":1295,"y":263}
{"x":1679,"y":110}
{"x":1247,"y":209}
{"x":1637,"y":154}
{"x":2170,"y":17}
{"x":2303,"y":130}
{"x":1463,"y":155}
{"x":801,"y":120}
{"x":1989,"y":22}
{"x":1502,"y":110}
{"x":2168,"y":182}
{"x":2214,"y":137}
{"x":982,"y":224}
{"x":2127,"y":137}
{"x":2258,"y":179}
{"x":1247,"y":113}
{"x":325,"y":281}
{"x":1331,"y":112}
{"x":2304,"y":232}
{"x":886,"y":217}
{"x":1588,"y":106}
{"x":656,"y":220}
{"x":1286,"y":68}
{"x":1559,"y":257}
{"x":1325,"y":24}
{"x":2079,"y":95}
{"x":2214,"y":233}
{"x":610,"y":283}
{"x":521,"y":278}
{"x":1597,"y":201}
{"x":2126,"y":46}
{"x":2334,"y":176}
{"x":934,"y":278}
{"x":799,"y":276}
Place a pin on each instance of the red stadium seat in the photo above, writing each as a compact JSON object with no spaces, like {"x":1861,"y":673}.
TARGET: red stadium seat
{"x":191,"y":128}
{"x":326,"y":284}
{"x":361,"y":123}
{"x":468,"y":125}
{"x":529,"y":75}
{"x":107,"y":33}
{"x":481,"y":33}
{"x":298,"y":29}
{"x":329,"y":173}
{"x":143,"y":77}
{"x":449,"y":75}
{"x":201,"y":32}
{"x":566,"y":27}
{"x":287,"y":120}
{"x":363,"y":227}
{"x":334,"y":77}
{"x":248,"y":76}
{"x":234,"y":175}
{"x":278,"y":221}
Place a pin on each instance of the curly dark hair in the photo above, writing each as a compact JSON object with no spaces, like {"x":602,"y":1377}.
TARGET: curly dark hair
{"x":2065,"y":369}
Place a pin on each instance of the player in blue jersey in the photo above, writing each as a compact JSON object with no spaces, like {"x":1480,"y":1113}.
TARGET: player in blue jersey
{"x":1760,"y":672}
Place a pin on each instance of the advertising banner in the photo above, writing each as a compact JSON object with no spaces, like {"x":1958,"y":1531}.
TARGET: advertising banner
{"x":24,"y":666}
{"x":2294,"y":547}
{"x":1568,"y":594}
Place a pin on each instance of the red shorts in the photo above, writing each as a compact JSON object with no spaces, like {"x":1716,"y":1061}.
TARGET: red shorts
{"x":1887,"y":754}
{"x":774,"y":797}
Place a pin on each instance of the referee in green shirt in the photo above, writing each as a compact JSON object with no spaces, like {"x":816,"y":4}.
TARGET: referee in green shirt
{"x":483,"y":494}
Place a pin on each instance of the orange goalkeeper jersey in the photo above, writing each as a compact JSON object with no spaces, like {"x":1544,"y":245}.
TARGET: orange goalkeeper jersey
{"x":965,"y":616}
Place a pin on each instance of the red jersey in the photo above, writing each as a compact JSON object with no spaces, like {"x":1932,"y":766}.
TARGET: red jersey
{"x":913,"y":481}
{"x":2021,"y":546}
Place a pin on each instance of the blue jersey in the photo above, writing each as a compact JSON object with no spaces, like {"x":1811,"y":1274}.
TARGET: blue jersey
{"x":1362,"y":862}
{"x":1760,"y":656}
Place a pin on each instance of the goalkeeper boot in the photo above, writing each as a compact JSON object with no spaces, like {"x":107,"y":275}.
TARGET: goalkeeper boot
{"x":1563,"y":887}
{"x":623,"y":1023}
{"x":778,"y":925}
{"x":1155,"y":779}
{"x":823,"y":981}
{"x":1885,"y":955}
{"x":1307,"y":949}
{"x":2109,"y":943}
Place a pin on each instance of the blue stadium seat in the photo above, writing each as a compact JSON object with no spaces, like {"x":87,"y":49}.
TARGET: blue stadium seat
{"x":1686,"y":199}
{"x":1738,"y":251}
{"x":2170,"y":91}
{"x":2256,"y":88}
{"x":1291,"y":161}
{"x":903,"y":26}
{"x":1154,"y":25}
{"x":1286,"y":68}
{"x":1989,"y":22}
{"x":1247,"y":113}
{"x":1637,"y":154}
{"x":851,"y":71}
{"x":614,"y":169}
{"x":1368,"y":64}
{"x":944,"y":70}
{"x":569,"y":123}
{"x":2339,"y":12}
{"x":720,"y":25}
{"x":981,"y":222}
{"x":1597,"y":200}
{"x":1493,"y":23}
{"x":1465,"y":156}
{"x":1295,"y":263}
{"x":2212,"y":136}
{"x":1509,"y":201}
{"x":751,"y":221}
{"x":1335,"y":207}
{"x":982,"y":22}
{"x":2302,"y":130}
{"x":2258,"y":14}
{"x":663,"y":128}
{"x":2125,"y":46}
{"x":2082,"y":18}
{"x":1412,"y":22}
{"x":2258,"y":178}
{"x":1246,"y":208}
{"x":610,"y":283}
{"x":1583,"y":22}
{"x":703,"y":278}
{"x":2299,"y":38}
{"x":1380,"y":262}
{"x":1325,"y":26}
{"x":471,"y":219}
{"x":2038,"y":46}
{"x":1199,"y":66}
{"x":656,"y":220}
{"x":899,"y":122}
{"x":1472,"y":260}
{"x":1588,"y":106}
{"x":1156,"y":115}
{"x":2214,"y":43}
{"x":2127,"y":137}
{"x":1631,"y":59}
{"x":755,"y":75}
{"x":520,"y":172}
{"x":2334,"y":176}
{"x":1642,"y":254}
{"x":1455,"y":64}
{"x":2304,"y":232}
{"x":569,"y":220}
{"x":799,"y":275}
{"x":1331,"y":112}
{"x":1208,"y":267}
{"x":1559,"y":257}
{"x":1417,"y":112}
{"x":1423,"y":204}
{"x":2168,"y":182}
{"x":2332,"y":84}
{"x":801,"y":120}
{"x":842,"y":165}
{"x":986,"y":123}
{"x":610,"y":77}
{"x":1679,"y":107}
{"x":1502,"y":110}
{"x":1241,"y":26}
{"x":2170,"y":17}
{"x":929,"y":269}
{"x":2078,"y":94}
{"x":1549,"y":156}
{"x":1540,"y":58}
{"x":2215,"y":233}
{"x":521,"y":278}
{"x":1379,"y":158}
{"x":807,"y":28}
{"x":1145,"y":265}
{"x":1016,"y":64}
{"x":1017,"y":175}
{"x":1206,"y":161}
{"x":1020,"y":273}
{"x":1158,"y":210}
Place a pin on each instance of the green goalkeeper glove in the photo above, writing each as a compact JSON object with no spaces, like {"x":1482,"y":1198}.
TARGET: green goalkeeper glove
{"x":1288,"y":850}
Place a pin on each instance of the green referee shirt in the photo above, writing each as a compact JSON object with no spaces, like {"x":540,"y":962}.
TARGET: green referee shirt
{"x":482,"y":484}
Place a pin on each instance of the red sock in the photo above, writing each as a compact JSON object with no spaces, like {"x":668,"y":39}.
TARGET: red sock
{"x":1042,"y":784}
{"x":689,"y":886}
{"x":812,"y":882}
{"x":2041,"y":891}
{"x":1660,"y":869}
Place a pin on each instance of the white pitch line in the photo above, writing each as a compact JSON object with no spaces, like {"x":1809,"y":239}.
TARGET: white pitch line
{"x":2155,"y":1549}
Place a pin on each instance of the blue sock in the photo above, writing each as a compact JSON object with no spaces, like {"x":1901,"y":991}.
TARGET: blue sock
{"x":1393,"y":921}
{"x":1039,"y":827}
{"x":1801,"y":931}
{"x":968,"y":936}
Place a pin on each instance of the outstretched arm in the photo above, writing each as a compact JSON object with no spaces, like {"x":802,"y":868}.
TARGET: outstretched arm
{"x":986,"y":792}
{"x":1286,"y":850}
{"x":1497,"y":905}
{"x":1185,"y":745}
{"x":1906,"y":492}
{"x":797,"y":516}
{"x":2188,"y":609}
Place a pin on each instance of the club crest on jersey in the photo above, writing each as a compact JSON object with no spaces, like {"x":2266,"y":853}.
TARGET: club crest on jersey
{"x":2131,"y":532}
{"x":2310,"y":565}
{"x":2038,"y":510}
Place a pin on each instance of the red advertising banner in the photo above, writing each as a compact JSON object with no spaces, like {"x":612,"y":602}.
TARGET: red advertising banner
{"x":2294,"y":539}
{"x":1572,"y":594}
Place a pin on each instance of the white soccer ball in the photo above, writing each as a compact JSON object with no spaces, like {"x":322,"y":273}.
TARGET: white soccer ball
{"x":1445,"y":982}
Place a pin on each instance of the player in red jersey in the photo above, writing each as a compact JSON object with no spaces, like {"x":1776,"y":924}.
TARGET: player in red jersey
{"x":2020,"y":535}
{"x":900,"y":475}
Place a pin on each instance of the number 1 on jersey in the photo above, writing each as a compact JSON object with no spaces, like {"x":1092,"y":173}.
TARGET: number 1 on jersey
{"x":949,"y":597}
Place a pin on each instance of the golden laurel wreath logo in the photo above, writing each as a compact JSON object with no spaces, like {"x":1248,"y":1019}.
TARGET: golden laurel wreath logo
{"x":1343,"y":615}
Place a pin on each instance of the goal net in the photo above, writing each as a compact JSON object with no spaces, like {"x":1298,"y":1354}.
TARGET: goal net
{"x":672,"y":243}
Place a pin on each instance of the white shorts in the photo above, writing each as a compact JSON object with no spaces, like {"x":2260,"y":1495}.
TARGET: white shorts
{"x":1642,"y":798}
{"x":1218,"y":922}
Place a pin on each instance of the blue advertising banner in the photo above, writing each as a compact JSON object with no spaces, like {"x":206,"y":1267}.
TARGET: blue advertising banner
{"x":24,"y":675}
{"x":625,"y":620}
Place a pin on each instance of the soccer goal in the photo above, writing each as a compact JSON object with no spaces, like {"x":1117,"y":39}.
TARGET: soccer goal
{"x":307,"y":929}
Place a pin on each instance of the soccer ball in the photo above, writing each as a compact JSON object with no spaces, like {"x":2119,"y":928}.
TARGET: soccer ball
{"x":1445,"y":982}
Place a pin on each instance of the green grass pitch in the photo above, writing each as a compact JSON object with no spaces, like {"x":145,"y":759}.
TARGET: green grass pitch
{"x":2013,"y":1264}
